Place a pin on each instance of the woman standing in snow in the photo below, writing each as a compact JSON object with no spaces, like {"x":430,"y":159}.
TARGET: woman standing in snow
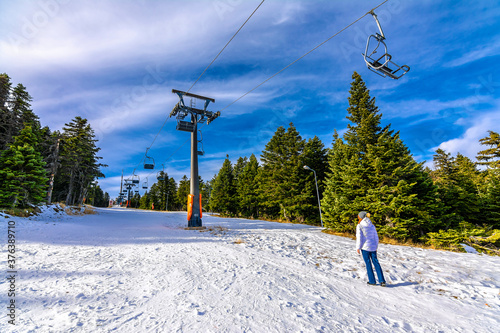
{"x":367,"y":242}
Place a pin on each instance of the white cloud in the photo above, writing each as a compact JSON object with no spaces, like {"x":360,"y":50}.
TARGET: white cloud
{"x":482,"y":51}
{"x":433,"y":109}
{"x":468,"y":144}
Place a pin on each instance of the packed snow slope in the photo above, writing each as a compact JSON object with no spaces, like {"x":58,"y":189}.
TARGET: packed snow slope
{"x":140,"y":271}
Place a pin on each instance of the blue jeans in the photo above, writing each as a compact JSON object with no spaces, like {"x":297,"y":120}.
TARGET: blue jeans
{"x":371,"y":257}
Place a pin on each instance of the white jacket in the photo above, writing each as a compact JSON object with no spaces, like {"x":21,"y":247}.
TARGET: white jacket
{"x":366,"y":236}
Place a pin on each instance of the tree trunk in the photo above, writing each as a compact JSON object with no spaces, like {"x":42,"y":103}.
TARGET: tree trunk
{"x":69,"y":200}
{"x":53,"y":173}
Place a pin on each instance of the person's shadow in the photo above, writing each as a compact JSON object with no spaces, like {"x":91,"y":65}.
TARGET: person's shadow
{"x":402,"y":284}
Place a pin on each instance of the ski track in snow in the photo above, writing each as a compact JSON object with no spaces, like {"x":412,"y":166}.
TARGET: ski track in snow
{"x":140,"y":271}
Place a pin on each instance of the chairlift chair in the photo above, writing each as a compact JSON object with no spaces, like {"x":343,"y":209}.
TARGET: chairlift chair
{"x":145,"y":184}
{"x":383,"y":65}
{"x":159,"y":176}
{"x":149,"y":162}
{"x":135,"y":178}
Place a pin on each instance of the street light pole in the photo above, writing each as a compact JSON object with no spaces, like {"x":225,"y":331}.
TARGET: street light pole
{"x":317,"y":193}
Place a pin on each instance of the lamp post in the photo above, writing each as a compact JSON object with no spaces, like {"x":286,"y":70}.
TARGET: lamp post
{"x":317,"y":193}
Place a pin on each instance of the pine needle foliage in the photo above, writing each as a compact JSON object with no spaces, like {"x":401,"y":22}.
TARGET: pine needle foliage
{"x":371,"y":169}
{"x":22,"y":177}
{"x":285,"y":191}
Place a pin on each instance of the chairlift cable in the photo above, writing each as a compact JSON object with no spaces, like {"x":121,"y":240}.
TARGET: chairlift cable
{"x":269,"y":78}
{"x":230,"y":40}
{"x":226,"y":45}
{"x":293,"y":62}
{"x":168,"y":158}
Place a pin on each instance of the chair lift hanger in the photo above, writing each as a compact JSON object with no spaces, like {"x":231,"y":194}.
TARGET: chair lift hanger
{"x":383,"y":66}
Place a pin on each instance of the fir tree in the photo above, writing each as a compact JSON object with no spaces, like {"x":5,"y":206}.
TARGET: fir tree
{"x":16,"y":113}
{"x":79,"y":161}
{"x":238,"y":167}
{"x":371,"y":169}
{"x":22,"y":177}
{"x":7,"y":123}
{"x":247,"y":186}
{"x":284,"y":189}
{"x":491,"y":156}
{"x":205,"y":190}
{"x":315,"y":156}
{"x":492,"y":200}
{"x":144,"y":203}
{"x":182,"y":192}
{"x":457,"y":192}
{"x":223,"y":196}
{"x":490,"y":182}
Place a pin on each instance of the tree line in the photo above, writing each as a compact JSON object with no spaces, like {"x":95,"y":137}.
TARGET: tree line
{"x":367,"y":168}
{"x":39,"y":165}
{"x":166,"y":194}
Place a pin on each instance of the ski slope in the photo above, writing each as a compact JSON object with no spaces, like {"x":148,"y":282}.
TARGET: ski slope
{"x":140,"y":271}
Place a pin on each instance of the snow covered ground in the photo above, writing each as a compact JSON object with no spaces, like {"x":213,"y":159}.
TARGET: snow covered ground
{"x":140,"y":271}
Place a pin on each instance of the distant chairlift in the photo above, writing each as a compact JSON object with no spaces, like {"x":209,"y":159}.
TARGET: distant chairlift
{"x":135,"y":178}
{"x":149,"y":162}
{"x":159,"y":176}
{"x":145,"y":184}
{"x":383,"y":66}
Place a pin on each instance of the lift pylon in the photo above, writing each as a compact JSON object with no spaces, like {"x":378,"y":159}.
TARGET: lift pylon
{"x":196,"y":116}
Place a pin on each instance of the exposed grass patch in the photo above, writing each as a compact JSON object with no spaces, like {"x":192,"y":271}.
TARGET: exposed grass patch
{"x":21,"y":212}
{"x":239,"y":241}
{"x":216,"y":231}
{"x":89,"y":210}
{"x":78,"y":210}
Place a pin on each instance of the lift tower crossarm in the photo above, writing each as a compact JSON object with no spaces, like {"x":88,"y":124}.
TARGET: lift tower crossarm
{"x":183,"y":93}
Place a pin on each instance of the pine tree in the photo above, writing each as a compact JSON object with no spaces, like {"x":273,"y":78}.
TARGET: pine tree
{"x":144,"y":203}
{"x":223,"y":197}
{"x":182,"y":192}
{"x":7,"y":123}
{"x":457,"y":192}
{"x":22,"y":177}
{"x":491,"y":156}
{"x":284,"y":189}
{"x":315,"y":156}
{"x":402,"y":196}
{"x":247,"y":186}
{"x":171,"y":194}
{"x":490,"y":182}
{"x":21,"y":108}
{"x":16,"y":113}
{"x":371,"y":169}
{"x":79,"y":162}
{"x":492,"y":200}
{"x":238,"y":167}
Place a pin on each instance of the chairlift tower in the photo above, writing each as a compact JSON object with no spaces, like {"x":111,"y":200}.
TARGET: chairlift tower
{"x":181,"y":111}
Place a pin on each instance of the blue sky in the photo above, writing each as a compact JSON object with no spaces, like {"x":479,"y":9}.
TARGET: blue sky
{"x":116,"y":62}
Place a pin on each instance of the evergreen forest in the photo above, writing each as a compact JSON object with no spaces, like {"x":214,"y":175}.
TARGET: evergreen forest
{"x":367,"y":168}
{"x":38,"y":165}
